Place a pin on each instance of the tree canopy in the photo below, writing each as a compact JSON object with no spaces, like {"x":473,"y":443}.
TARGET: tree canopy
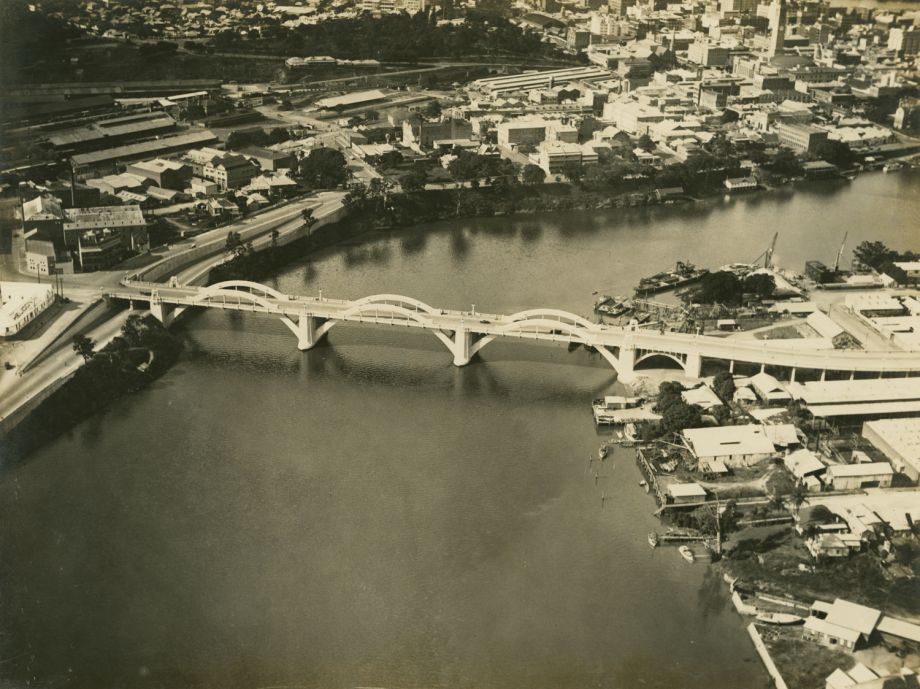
{"x":324,"y":168}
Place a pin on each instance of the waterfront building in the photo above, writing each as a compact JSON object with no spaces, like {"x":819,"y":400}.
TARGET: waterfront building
{"x":801,"y":138}
{"x":21,"y":303}
{"x":682,"y":493}
{"x":734,"y":184}
{"x":735,"y":445}
{"x":555,"y":156}
{"x":899,"y":440}
{"x":858,"y":476}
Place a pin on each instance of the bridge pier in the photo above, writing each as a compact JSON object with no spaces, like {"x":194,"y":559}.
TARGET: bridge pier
{"x":165,"y":313}
{"x":693,"y":366}
{"x":305,"y":329}
{"x":463,"y":342}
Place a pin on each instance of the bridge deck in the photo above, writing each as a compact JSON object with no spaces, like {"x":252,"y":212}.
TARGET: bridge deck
{"x":539,"y":324}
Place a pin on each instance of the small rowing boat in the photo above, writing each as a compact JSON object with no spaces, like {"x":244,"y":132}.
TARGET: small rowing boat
{"x":653,"y":539}
{"x":686,"y":553}
{"x":779,"y":618}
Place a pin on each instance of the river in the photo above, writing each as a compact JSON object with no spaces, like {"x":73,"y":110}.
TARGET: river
{"x":365,"y":514}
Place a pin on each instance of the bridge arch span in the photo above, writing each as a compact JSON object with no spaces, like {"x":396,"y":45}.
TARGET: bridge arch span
{"x":211,"y":293}
{"x":650,"y":356}
{"x":247,"y":285}
{"x":546,"y":326}
{"x":375,"y":306}
{"x":399,"y":300}
{"x":549,"y":314}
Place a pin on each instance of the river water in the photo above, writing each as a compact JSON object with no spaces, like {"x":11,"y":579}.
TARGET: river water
{"x":366,"y":514}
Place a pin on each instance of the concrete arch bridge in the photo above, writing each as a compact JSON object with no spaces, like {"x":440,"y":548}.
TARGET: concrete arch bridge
{"x":465,"y":333}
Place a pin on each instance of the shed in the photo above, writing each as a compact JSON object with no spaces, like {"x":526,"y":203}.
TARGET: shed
{"x":802,"y":463}
{"x":769,"y":389}
{"x":856,"y":476}
{"x":686,"y":492}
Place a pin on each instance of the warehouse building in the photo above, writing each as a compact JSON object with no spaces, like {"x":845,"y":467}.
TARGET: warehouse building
{"x":734,"y":445}
{"x":899,"y":439}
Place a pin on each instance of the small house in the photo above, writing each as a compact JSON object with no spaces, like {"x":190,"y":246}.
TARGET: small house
{"x":683,"y":493}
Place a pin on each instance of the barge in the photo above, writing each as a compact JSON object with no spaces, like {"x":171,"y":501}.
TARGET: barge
{"x":684,"y":273}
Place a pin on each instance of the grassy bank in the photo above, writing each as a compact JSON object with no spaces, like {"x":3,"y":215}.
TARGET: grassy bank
{"x":143,"y":351}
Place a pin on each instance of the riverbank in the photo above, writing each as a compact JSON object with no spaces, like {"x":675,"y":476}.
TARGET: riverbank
{"x":141,"y":353}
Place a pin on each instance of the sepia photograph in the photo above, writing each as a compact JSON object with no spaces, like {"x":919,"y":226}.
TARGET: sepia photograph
{"x":460,"y":344}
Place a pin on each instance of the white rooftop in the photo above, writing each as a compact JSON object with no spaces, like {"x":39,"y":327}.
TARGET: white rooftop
{"x":824,"y":627}
{"x":687,"y":490}
{"x":871,"y":469}
{"x":803,"y":462}
{"x":722,"y":441}
{"x":860,"y":618}
{"x":849,"y":391}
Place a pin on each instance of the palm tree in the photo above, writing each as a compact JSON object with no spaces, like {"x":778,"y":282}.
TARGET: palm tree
{"x":799,"y":496}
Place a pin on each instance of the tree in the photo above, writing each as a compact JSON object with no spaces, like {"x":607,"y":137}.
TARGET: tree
{"x":680,"y":416}
{"x":835,"y":152}
{"x":574,"y":171}
{"x":786,"y":163}
{"x":776,"y":502}
{"x":533,"y":175}
{"x":873,"y":254}
{"x":133,"y":329}
{"x":390,"y":159}
{"x":720,"y":287}
{"x":414,"y":180}
{"x":761,"y":284}
{"x":307,"y":215}
{"x":645,"y":143}
{"x":324,"y":168}
{"x":432,"y":110}
{"x":233,"y":241}
{"x":84,"y":346}
{"x":724,"y":386}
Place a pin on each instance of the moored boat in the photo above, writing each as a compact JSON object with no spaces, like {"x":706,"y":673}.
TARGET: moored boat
{"x":683,"y":274}
{"x":653,"y":539}
{"x":686,"y":553}
{"x":779,"y":618}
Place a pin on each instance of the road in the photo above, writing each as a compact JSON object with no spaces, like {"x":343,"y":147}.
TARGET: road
{"x":191,"y":259}
{"x":538,"y":324}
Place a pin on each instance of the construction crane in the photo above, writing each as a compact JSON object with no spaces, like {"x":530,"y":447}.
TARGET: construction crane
{"x":840,"y":251}
{"x":767,"y":255}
